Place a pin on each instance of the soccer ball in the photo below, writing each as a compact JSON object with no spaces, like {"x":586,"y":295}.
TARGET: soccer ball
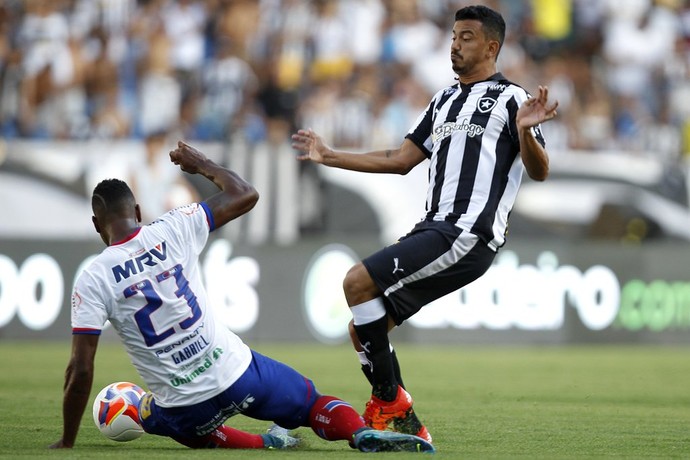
{"x":116,"y":411}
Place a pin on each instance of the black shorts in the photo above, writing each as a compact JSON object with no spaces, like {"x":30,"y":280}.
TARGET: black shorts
{"x":434,"y":259}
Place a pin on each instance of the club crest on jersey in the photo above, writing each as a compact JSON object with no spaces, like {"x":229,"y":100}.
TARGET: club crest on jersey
{"x":486,"y":104}
{"x":135,"y":265}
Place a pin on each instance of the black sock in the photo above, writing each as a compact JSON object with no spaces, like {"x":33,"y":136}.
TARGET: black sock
{"x":366,"y":370}
{"x":374,"y":339}
{"x":396,"y":369}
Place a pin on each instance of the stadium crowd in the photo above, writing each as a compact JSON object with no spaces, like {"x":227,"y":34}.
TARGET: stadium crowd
{"x":357,"y":71}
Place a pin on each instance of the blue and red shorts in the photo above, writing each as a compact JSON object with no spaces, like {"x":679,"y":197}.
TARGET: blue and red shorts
{"x":268,"y":390}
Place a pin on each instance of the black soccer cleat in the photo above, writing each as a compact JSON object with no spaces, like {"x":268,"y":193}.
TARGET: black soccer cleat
{"x":390,"y":441}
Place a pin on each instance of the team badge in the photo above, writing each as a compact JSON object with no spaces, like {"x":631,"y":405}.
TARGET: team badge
{"x":486,"y":104}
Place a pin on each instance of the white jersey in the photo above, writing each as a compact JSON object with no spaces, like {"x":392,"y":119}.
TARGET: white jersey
{"x":149,"y":287}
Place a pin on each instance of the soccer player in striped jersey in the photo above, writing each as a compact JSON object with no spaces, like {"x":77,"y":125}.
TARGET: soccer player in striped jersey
{"x":147,"y":283}
{"x":479,"y":136}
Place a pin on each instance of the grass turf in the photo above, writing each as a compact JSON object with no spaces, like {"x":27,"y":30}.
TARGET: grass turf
{"x":478,"y":402}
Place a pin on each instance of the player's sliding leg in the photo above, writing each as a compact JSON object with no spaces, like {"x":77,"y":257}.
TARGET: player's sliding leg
{"x":333,"y":419}
{"x":409,"y":423}
{"x":231,"y":438}
{"x":369,"y":440}
{"x":171,"y":422}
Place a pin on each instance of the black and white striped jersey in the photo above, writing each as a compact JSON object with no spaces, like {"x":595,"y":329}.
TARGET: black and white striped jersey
{"x":470,"y":135}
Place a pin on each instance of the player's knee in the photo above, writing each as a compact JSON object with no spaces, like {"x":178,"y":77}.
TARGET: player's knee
{"x":358,"y":285}
{"x":350,"y":281}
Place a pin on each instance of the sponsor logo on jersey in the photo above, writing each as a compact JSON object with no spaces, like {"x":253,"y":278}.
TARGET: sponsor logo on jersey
{"x":446,"y":129}
{"x":208,"y":361}
{"x":149,"y":258}
{"x":497,"y":87}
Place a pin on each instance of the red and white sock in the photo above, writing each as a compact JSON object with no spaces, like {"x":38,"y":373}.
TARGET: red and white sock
{"x":333,"y":419}
{"x":225,"y":437}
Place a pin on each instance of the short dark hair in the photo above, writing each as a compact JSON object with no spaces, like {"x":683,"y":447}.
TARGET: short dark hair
{"x":112,"y":196}
{"x":492,"y":22}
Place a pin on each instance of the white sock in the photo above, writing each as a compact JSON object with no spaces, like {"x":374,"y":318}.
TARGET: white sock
{"x":368,"y":312}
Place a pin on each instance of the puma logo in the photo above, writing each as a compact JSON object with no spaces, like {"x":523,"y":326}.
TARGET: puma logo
{"x":396,"y":268}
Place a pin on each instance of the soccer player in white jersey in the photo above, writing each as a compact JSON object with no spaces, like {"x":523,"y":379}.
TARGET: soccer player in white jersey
{"x":198,"y":373}
{"x":480,"y":135}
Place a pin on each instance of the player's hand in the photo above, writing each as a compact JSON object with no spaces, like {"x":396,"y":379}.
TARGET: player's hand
{"x":187,"y":157}
{"x":310,"y":144}
{"x":536,"y":110}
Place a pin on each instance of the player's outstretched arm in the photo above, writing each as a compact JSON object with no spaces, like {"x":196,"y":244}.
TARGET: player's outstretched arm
{"x":236,"y":197}
{"x":78,"y":381}
{"x":395,"y":161}
{"x":532,"y":112}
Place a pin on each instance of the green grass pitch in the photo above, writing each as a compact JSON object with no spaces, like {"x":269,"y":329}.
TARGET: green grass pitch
{"x":478,"y":402}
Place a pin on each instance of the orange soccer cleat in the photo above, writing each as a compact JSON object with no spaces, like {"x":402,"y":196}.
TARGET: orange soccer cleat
{"x":378,"y":413}
{"x":410,"y":424}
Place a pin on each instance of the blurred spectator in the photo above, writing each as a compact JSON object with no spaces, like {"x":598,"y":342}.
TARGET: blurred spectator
{"x":159,"y":184}
{"x":639,"y":36}
{"x":109,"y":119}
{"x":10,"y":70}
{"x":352,"y":69}
{"x":229,"y":86}
{"x":398,"y":111}
{"x":363,"y":20}
{"x":238,"y":21}
{"x":331,"y":57}
{"x":284,"y":35}
{"x":184,"y":22}
{"x":159,"y":92}
{"x":409,"y":36}
{"x":52,"y":97}
{"x":677,"y":74}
